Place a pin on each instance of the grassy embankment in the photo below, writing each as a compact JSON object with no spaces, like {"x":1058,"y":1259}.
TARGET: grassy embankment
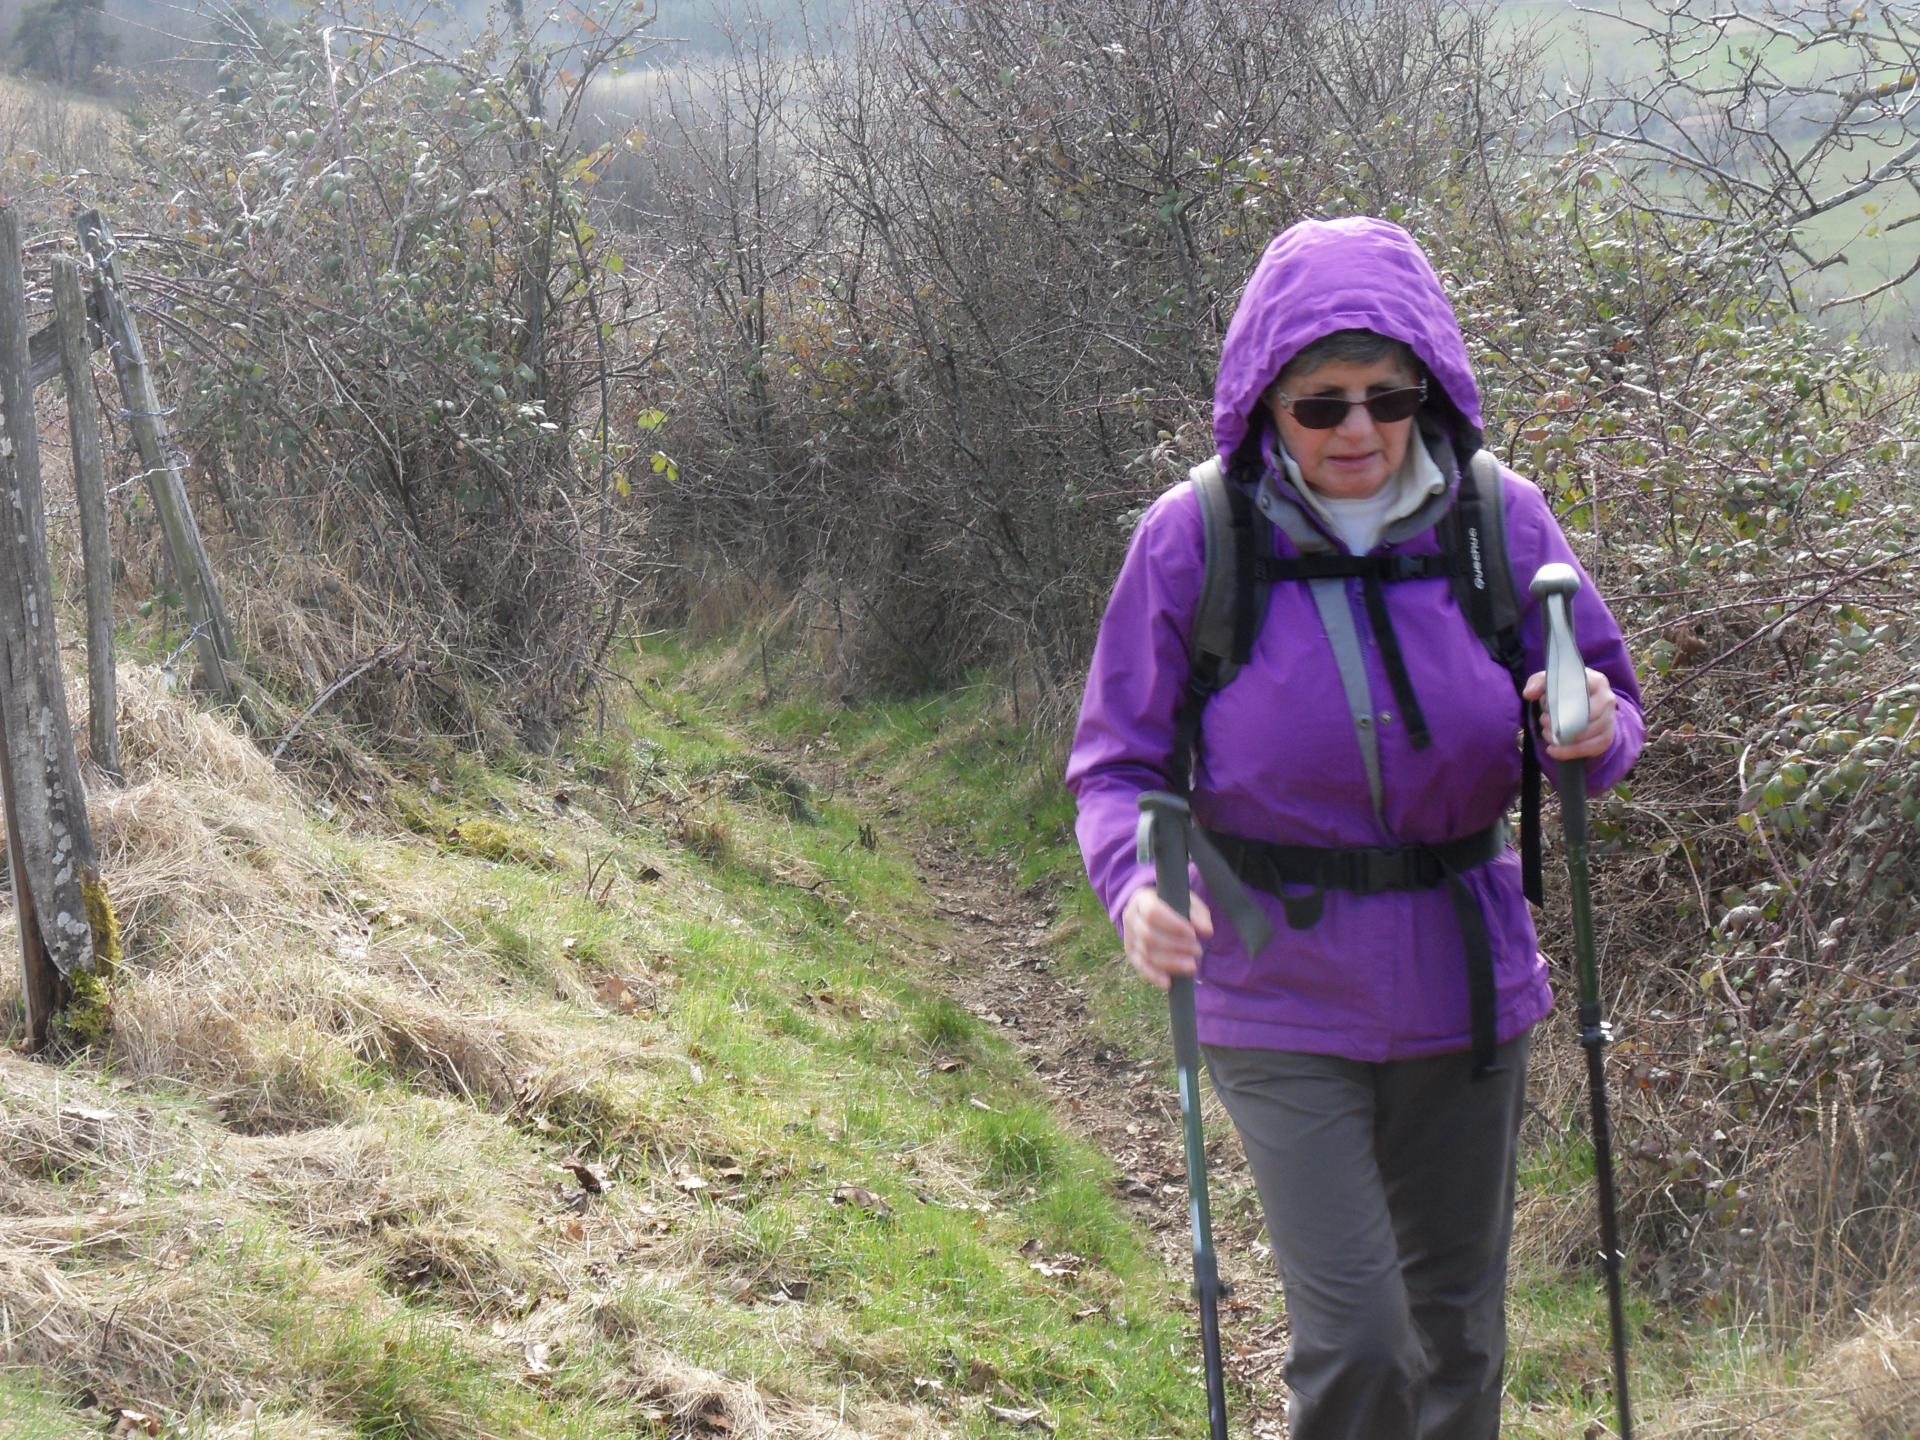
{"x":314,"y":1184}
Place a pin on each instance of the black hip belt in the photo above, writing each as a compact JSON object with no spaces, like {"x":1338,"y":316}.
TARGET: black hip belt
{"x":1370,"y":870}
{"x":1361,"y":869}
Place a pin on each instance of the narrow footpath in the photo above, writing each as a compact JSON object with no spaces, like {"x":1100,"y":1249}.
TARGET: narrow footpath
{"x":999,"y":970}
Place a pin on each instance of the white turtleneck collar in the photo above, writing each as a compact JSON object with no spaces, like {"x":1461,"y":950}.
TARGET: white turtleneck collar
{"x":1360,"y":523}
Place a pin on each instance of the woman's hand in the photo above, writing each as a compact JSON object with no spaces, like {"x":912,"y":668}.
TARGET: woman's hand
{"x":1159,"y":944}
{"x":1597,"y":738}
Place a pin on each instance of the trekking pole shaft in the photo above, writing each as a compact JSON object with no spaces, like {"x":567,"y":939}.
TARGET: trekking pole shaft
{"x":1594,"y":1037}
{"x":1573,"y":814}
{"x":1170,"y":883}
{"x":1568,"y":715}
{"x":1609,"y":1232}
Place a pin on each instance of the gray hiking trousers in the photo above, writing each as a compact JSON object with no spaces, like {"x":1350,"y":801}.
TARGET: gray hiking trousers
{"x":1388,"y":1194}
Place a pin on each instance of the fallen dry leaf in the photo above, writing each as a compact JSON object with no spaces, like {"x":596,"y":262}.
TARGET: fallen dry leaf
{"x":861,"y":1198}
{"x":689,"y":1182}
{"x":1050,"y":1265}
{"x":617,"y":993}
{"x":537,"y":1356}
{"x":593,"y":1179}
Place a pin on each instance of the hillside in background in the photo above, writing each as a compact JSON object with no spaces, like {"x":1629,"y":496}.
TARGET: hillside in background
{"x":1784,"y":70}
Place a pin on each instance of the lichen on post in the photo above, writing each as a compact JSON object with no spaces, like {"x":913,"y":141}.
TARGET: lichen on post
{"x":49,"y":841}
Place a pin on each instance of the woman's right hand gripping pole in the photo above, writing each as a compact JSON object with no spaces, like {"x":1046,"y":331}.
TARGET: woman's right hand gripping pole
{"x":1159,"y":942}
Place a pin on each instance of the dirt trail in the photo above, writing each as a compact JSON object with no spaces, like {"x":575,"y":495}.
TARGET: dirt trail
{"x":999,"y":969}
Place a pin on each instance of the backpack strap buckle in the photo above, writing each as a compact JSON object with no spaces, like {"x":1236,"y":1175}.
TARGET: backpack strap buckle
{"x":1303,"y":911}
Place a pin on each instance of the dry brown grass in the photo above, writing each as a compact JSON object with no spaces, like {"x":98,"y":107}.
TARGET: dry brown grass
{"x":100,"y":1235}
{"x":327,"y":1096}
{"x":1865,"y":1387}
{"x":1875,"y":1377}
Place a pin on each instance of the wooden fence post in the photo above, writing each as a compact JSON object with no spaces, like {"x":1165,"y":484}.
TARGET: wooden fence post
{"x":49,"y":842}
{"x":199,"y":591}
{"x":90,"y":490}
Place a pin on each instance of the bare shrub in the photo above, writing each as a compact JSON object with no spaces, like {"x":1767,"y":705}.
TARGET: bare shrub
{"x":1790,"y":124}
{"x":393,"y":332}
{"x":944,"y":296}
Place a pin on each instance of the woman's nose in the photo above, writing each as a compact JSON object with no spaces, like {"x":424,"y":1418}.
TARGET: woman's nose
{"x":1356,"y":423}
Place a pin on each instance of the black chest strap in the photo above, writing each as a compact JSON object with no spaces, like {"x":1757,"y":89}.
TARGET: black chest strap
{"x":1324,"y":565}
{"x":1240,"y":571}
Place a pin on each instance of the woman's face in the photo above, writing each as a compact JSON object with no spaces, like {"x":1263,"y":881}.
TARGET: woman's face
{"x":1355,"y":458}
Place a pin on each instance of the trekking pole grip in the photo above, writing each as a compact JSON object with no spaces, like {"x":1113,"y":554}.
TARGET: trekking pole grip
{"x":1567,"y":713}
{"x":1164,"y":819}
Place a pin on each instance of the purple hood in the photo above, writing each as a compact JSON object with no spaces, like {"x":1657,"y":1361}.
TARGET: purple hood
{"x":1325,"y":275}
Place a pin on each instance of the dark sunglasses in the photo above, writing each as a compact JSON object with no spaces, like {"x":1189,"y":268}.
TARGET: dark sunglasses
{"x":1327,"y":412}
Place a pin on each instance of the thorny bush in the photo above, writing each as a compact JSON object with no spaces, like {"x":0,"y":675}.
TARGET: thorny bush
{"x":946,"y":294}
{"x":1738,"y":482}
{"x":393,"y":328}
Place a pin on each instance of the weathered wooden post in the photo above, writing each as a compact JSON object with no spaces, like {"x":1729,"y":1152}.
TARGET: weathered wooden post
{"x":199,"y":591}
{"x":49,"y":843}
{"x":90,"y":490}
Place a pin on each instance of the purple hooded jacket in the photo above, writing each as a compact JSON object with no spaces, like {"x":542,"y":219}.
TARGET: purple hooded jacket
{"x":1379,"y":977}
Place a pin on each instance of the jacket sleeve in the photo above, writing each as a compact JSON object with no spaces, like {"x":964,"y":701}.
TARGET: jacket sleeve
{"x":1534,"y":539}
{"x":1123,"y":743}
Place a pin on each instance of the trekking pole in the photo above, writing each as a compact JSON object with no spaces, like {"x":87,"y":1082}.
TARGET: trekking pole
{"x":1567,"y":713}
{"x":1166,"y":837}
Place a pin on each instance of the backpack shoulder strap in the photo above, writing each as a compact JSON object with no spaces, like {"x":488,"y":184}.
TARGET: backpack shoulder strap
{"x":1232,"y":604}
{"x":1484,"y":585}
{"x":1476,"y":532}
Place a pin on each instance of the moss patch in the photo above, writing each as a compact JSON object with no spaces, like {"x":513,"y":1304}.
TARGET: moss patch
{"x":87,"y":1015}
{"x":104,"y":921}
{"x":491,"y":840}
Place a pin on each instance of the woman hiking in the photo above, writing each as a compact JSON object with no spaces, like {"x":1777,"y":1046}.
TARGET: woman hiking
{"x":1356,"y":771}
